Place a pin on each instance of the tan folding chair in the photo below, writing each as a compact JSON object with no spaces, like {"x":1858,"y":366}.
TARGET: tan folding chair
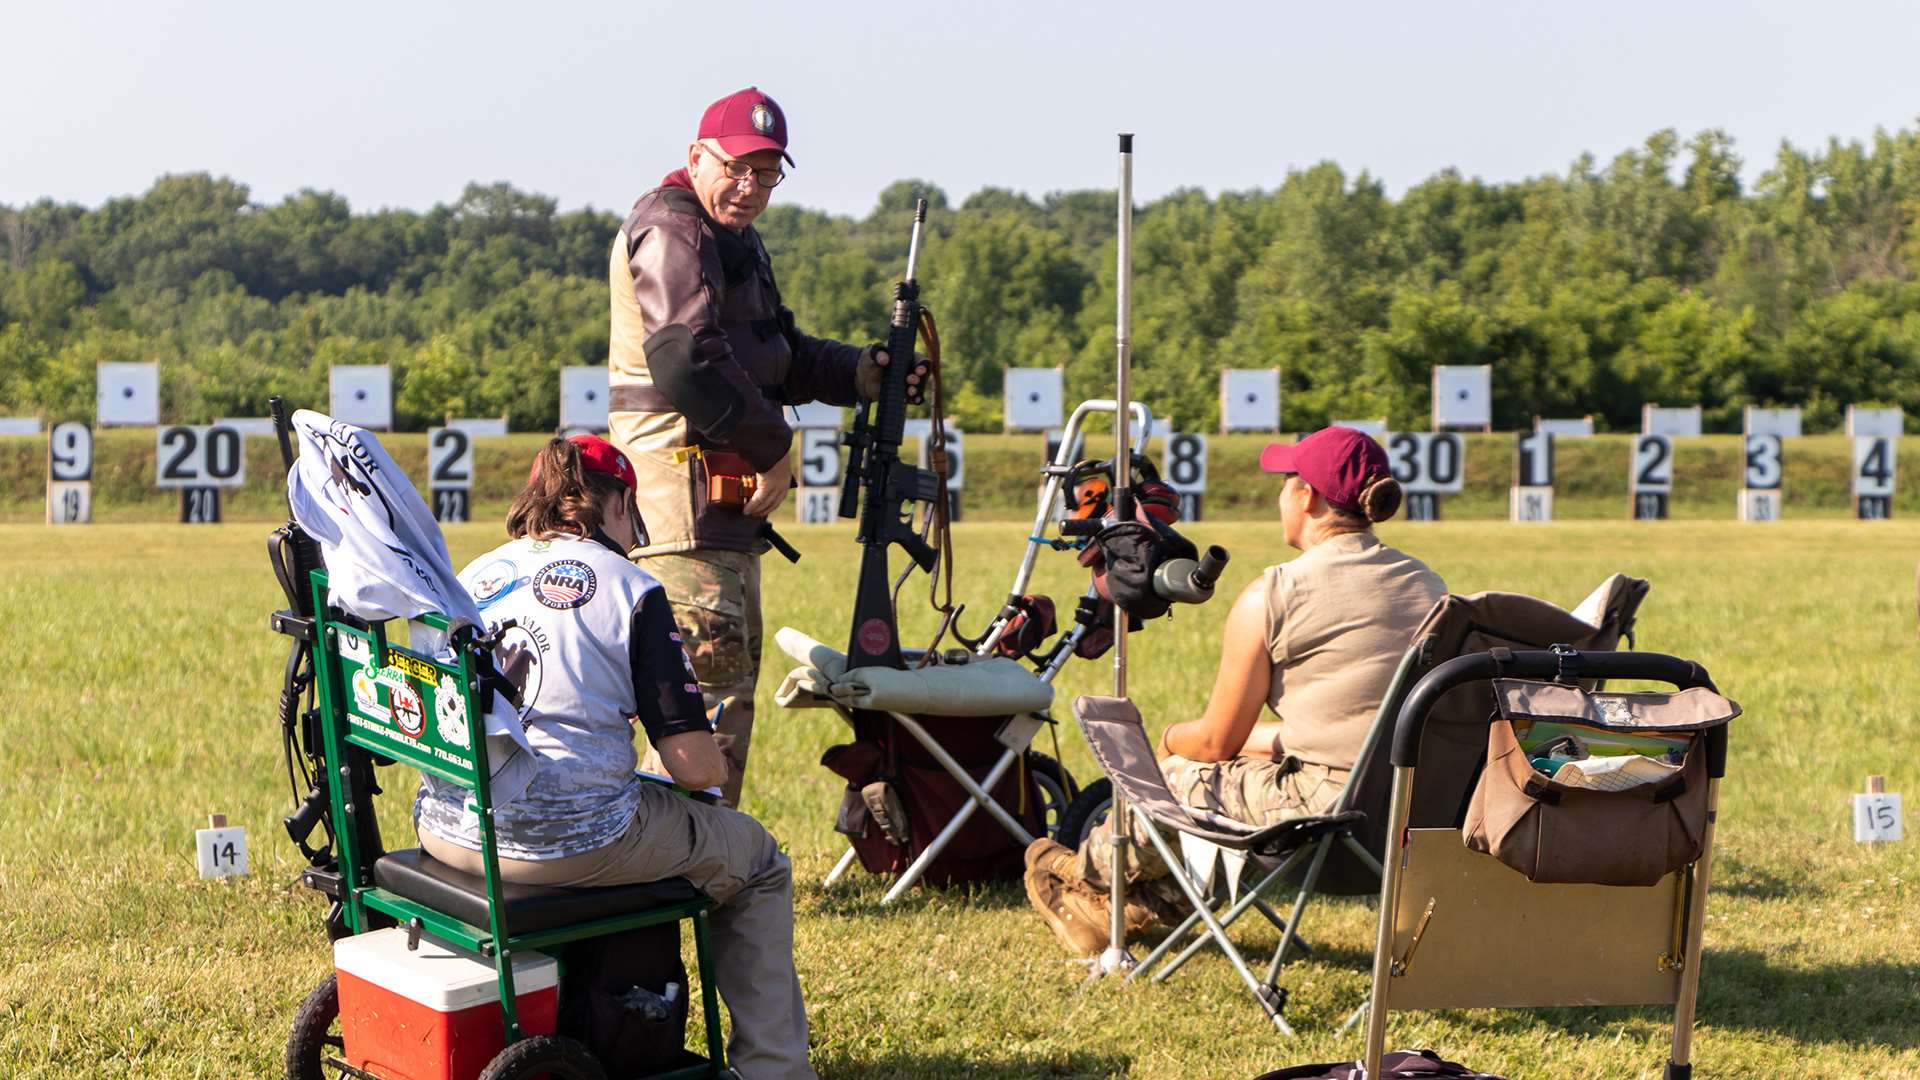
{"x":1346,"y":861}
{"x":1450,"y":916}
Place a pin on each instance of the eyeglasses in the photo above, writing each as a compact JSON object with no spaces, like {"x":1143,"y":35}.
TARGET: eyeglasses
{"x":736,"y":169}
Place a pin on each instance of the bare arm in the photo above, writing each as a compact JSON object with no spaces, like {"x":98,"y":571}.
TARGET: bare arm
{"x":1239,"y":690}
{"x":693,"y":759}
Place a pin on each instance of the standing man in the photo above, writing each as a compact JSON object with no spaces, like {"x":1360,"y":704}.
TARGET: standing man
{"x":701,"y":358}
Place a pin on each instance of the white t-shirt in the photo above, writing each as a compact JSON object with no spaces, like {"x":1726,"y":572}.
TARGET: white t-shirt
{"x":605,"y":649}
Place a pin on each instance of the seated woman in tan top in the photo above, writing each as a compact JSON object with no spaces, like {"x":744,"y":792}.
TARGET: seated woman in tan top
{"x":1315,"y":640}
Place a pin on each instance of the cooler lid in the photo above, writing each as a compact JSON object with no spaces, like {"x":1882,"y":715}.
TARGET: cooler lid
{"x":440,"y":975}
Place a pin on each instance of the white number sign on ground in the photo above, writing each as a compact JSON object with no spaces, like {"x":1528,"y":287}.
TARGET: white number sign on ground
{"x":817,"y":500}
{"x":1532,"y":496}
{"x":1428,"y":464}
{"x":1650,"y":477}
{"x":1873,"y":476}
{"x":69,"y":474}
{"x":450,"y":473}
{"x":198,"y":461}
{"x":1183,"y":465}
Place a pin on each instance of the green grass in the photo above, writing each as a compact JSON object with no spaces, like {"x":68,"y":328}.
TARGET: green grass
{"x":139,"y":697}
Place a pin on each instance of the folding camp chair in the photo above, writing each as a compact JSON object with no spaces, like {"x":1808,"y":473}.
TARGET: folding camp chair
{"x":1119,"y":740}
{"x":1450,"y":915}
{"x":1346,"y":861}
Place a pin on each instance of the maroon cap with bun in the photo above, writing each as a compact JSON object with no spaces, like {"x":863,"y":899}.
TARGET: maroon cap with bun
{"x":1337,"y":462}
{"x":598,"y":455}
{"x":745,"y":121}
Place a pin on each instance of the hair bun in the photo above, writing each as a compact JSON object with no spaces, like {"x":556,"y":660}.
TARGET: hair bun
{"x":1380,"y":499}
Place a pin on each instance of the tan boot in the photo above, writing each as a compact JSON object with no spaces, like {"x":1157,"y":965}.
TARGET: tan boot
{"x":1065,"y":912}
{"x":1096,"y":903}
{"x":1054,"y":857}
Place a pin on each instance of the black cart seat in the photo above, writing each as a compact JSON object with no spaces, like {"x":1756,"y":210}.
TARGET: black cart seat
{"x":529,"y":909}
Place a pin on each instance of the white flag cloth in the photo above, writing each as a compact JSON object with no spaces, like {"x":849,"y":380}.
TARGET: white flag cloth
{"x":386,"y":559}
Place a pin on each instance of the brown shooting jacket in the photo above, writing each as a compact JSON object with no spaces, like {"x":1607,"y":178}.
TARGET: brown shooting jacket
{"x":703,"y":299}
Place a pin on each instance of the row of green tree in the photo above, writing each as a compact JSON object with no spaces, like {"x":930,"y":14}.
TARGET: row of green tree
{"x":1656,"y":278}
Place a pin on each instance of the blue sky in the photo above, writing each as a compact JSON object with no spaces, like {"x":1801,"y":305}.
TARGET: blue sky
{"x":400,"y":104}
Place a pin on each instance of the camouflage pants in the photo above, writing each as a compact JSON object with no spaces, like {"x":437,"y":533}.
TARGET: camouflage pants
{"x":716,"y":602}
{"x":1257,"y":791}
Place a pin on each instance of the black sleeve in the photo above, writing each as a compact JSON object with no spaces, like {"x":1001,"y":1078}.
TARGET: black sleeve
{"x":665,"y":693}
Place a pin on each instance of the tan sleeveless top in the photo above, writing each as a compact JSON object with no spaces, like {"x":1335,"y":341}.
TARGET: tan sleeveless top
{"x":1338,"y":619}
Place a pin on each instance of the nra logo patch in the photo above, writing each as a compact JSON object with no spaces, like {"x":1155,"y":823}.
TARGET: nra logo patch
{"x":565,"y":584}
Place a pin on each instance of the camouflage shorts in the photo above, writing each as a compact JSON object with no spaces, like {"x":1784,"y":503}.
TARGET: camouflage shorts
{"x":1257,"y":791}
{"x":716,"y":602}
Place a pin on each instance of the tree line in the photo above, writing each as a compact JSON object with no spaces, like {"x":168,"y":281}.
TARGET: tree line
{"x":1655,"y":278}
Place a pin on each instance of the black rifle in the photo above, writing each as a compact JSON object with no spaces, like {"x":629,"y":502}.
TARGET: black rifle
{"x":295,"y":555}
{"x":886,"y":485}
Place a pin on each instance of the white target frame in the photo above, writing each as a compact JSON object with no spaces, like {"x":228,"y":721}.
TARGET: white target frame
{"x":1249,"y":399}
{"x":1463,"y":396}
{"x":1865,"y":422}
{"x":1033,"y":399}
{"x":126,"y":395}
{"x":1675,"y":422}
{"x":362,"y":395}
{"x":583,"y":398}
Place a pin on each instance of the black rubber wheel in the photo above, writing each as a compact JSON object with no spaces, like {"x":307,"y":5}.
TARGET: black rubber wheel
{"x":1056,"y":788}
{"x":316,"y":1033}
{"x":1087,"y":810}
{"x":544,"y":1055}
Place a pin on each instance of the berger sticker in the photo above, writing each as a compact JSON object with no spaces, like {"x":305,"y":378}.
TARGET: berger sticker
{"x":495,"y":580}
{"x":408,"y":714}
{"x":564,"y":584}
{"x":450,"y":709}
{"x":412,"y":665}
{"x":366,"y":695}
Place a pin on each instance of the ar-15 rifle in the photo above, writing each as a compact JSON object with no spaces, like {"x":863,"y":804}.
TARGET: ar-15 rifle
{"x":887,"y":484}
{"x":295,"y":555}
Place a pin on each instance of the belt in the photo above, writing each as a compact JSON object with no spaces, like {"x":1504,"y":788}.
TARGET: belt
{"x":649,"y":398}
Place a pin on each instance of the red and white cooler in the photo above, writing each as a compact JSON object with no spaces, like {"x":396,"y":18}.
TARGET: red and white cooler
{"x":433,"y":1013}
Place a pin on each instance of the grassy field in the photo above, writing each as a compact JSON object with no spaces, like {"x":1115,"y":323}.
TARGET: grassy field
{"x":141,"y":699}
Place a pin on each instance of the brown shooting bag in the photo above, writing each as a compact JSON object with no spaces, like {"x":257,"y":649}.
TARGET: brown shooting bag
{"x":1554,"y":832}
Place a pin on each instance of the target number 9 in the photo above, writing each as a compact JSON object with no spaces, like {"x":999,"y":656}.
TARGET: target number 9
{"x":70,"y":452}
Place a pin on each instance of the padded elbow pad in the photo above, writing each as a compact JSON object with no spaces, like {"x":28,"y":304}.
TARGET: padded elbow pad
{"x":696,"y":389}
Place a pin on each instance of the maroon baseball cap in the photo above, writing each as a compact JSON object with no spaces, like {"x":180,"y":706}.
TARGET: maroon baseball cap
{"x":745,"y":121}
{"x":598,"y":455}
{"x":1337,"y":462}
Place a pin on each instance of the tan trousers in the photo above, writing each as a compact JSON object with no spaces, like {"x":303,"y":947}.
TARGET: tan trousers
{"x":1257,"y":791}
{"x":716,"y":602}
{"x":737,"y":862}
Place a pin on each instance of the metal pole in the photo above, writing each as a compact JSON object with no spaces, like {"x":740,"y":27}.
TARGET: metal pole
{"x":1116,"y":958}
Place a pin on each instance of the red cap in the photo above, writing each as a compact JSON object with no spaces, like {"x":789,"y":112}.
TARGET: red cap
{"x":745,"y":121}
{"x":1337,"y":462}
{"x":598,"y":455}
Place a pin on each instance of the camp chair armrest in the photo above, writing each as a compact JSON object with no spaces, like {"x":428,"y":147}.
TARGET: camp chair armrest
{"x":1543,"y":664}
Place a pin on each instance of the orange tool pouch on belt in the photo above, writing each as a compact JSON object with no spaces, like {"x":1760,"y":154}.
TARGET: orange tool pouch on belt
{"x":731,"y":479}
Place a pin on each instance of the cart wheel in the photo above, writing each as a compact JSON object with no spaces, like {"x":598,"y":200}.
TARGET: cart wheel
{"x":315,"y":1040}
{"x":544,"y":1055}
{"x":1087,"y":810}
{"x":1056,"y":787}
